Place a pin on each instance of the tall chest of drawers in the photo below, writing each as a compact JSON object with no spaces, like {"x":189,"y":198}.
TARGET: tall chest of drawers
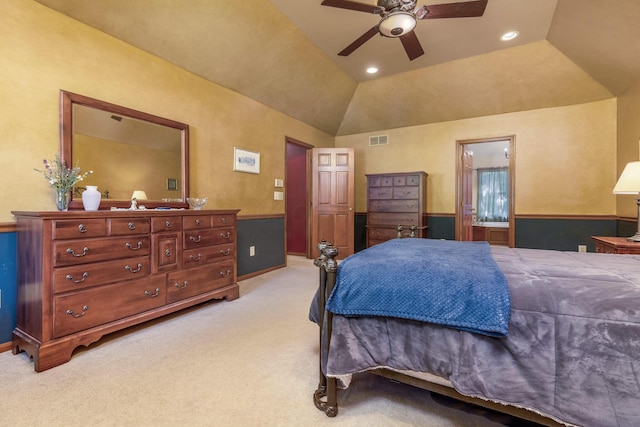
{"x":396,"y":200}
{"x":82,"y":275}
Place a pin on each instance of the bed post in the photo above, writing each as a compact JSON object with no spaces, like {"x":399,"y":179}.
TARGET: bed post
{"x":326,"y":386}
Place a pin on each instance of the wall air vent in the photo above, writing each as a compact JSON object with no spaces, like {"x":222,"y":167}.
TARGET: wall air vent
{"x":378,"y":140}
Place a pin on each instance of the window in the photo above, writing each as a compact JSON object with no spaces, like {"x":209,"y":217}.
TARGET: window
{"x":493,"y":194}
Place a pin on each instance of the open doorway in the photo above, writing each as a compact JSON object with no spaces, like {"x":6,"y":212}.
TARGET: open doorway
{"x":297,"y":197}
{"x":485,"y":193}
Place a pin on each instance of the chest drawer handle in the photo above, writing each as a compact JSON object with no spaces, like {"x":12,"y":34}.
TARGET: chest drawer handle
{"x":181,"y":286}
{"x":225,"y":235}
{"x":225,"y":274}
{"x":225,"y":252}
{"x":223,"y":220}
{"x":195,"y":258}
{"x":195,"y":239}
{"x":150,"y":295}
{"x":131,"y":226}
{"x":130,"y":246}
{"x":84,"y":276}
{"x":197,"y":222}
{"x":168,"y":224}
{"x":167,"y":252}
{"x":73,"y":252}
{"x":82,"y":228}
{"x":84,"y":311}
{"x":128,"y":268}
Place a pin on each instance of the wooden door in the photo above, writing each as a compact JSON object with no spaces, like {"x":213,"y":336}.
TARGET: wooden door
{"x":332,"y":199}
{"x":466,"y":231}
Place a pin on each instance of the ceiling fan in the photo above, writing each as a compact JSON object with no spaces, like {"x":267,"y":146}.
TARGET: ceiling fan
{"x":399,"y":18}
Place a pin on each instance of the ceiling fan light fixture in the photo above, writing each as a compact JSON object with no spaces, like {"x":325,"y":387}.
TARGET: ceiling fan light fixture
{"x":397,"y":24}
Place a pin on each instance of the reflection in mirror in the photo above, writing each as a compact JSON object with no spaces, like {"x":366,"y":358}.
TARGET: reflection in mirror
{"x":127,"y":150}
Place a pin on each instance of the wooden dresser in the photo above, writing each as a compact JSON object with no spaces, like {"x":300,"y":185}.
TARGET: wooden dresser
{"x":395,"y":199}
{"x":615,"y":245}
{"x":82,"y":275}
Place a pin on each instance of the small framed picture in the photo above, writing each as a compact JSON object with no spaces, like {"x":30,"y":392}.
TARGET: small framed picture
{"x":246,"y":161}
{"x":172,"y":184}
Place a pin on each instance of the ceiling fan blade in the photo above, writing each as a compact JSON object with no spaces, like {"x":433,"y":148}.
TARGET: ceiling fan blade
{"x":467,"y":9}
{"x":359,"y":41}
{"x":412,"y":45}
{"x":353,"y":5}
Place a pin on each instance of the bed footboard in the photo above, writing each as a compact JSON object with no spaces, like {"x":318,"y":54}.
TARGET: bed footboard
{"x":325,"y":397}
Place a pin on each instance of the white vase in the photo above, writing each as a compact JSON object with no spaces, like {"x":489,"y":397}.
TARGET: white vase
{"x":91,"y":198}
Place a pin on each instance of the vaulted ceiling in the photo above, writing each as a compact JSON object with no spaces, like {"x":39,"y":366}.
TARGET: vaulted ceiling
{"x":283,"y":53}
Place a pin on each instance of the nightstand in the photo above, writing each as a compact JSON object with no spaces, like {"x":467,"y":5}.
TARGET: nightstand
{"x":615,"y":245}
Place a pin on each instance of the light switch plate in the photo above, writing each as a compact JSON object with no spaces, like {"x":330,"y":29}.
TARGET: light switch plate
{"x":279,"y":183}
{"x":278,"y":195}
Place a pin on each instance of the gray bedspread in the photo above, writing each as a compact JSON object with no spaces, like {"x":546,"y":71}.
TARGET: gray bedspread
{"x":572,"y":353}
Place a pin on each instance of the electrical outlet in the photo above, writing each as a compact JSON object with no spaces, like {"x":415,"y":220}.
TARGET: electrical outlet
{"x":252,"y":251}
{"x":582,"y":248}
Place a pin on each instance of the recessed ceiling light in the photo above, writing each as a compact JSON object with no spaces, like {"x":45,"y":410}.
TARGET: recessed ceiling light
{"x":509,"y":35}
{"x":372,"y":70}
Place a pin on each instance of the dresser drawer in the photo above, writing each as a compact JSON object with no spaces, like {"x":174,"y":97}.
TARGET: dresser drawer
{"x":381,"y":233}
{"x":405,"y":192}
{"x":79,"y":228}
{"x":404,"y":219}
{"x":196,"y":281}
{"x":394,"y":206}
{"x":74,"y":252}
{"x":96,"y":306}
{"x":196,"y":222}
{"x":201,"y":238}
{"x":162,"y":224}
{"x":207,"y":254}
{"x":128,"y":226}
{"x":87,"y":275}
{"x":223,"y":220}
{"x":380,"y":193}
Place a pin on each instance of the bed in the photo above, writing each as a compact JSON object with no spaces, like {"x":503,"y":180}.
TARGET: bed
{"x":570,"y":353}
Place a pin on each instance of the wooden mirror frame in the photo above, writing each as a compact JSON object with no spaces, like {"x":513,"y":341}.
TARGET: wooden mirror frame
{"x":68,"y":100}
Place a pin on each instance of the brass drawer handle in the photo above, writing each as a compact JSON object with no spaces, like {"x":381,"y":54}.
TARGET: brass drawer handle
{"x":225,"y":235}
{"x":223,"y":220}
{"x":167,"y":252}
{"x":227,"y":252}
{"x":82,"y":228}
{"x":131,"y":226}
{"x":225,"y":274}
{"x":197,"y":222}
{"x":128,"y":268}
{"x":150,"y":295}
{"x":84,"y":276}
{"x":181,"y":286}
{"x":168,"y":224}
{"x":130,"y":246}
{"x":84,"y":311}
{"x":73,"y":252}
{"x":194,"y":239}
{"x":195,"y":258}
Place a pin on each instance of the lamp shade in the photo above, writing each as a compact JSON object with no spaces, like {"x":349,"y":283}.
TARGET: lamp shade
{"x":629,"y":181}
{"x":139,"y":195}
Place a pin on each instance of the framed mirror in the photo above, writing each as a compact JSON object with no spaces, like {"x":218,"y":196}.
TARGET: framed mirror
{"x":127,"y":150}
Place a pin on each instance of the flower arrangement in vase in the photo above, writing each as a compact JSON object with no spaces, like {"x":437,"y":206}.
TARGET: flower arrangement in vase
{"x":62,"y":179}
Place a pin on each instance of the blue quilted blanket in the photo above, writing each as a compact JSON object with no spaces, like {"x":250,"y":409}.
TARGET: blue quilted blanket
{"x":456,"y":284}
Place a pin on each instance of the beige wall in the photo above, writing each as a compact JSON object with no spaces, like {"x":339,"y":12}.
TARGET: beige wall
{"x":628,"y":144}
{"x":43,"y":51}
{"x":565,"y":157}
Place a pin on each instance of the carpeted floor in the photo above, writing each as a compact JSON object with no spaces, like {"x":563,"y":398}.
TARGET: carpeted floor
{"x":249,"y":362}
